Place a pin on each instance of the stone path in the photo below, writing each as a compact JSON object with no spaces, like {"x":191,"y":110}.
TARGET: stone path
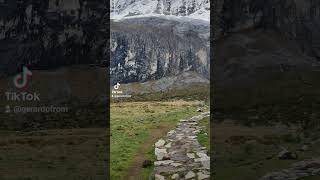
{"x":180,"y":156}
{"x":298,"y":170}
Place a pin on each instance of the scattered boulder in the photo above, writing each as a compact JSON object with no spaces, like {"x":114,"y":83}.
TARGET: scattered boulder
{"x":190,"y":175}
{"x":206,"y":164}
{"x":159,"y":177}
{"x":175,"y":176}
{"x":202,"y":155}
{"x":191,"y":155}
{"x":287,"y":155}
{"x":160,"y":153}
{"x":176,"y":164}
{"x":168,"y":145}
{"x":160,"y":143}
{"x":160,"y":163}
{"x":202,"y":176}
{"x":199,"y":110}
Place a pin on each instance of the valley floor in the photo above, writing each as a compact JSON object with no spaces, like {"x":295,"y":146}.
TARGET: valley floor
{"x":54,"y":154}
{"x":252,"y":152}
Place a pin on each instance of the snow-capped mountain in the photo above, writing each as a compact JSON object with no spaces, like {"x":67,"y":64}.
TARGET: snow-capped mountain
{"x":154,"y":39}
{"x":196,"y":9}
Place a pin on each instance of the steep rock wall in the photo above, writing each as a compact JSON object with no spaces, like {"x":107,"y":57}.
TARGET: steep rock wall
{"x":152,"y":48}
{"x":297,"y":19}
{"x":51,"y":33}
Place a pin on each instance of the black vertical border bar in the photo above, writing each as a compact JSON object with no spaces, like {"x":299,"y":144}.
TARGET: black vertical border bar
{"x":213,"y":24}
{"x":107,"y":90}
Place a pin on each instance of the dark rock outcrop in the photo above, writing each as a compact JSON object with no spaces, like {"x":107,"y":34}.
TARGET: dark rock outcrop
{"x":51,"y":33}
{"x":151,"y":48}
{"x":297,"y":19}
{"x":266,"y":60}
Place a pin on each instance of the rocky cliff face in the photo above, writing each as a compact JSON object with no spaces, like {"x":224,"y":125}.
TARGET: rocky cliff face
{"x":51,"y":33}
{"x":297,"y":19}
{"x":266,"y":60}
{"x":151,"y":48}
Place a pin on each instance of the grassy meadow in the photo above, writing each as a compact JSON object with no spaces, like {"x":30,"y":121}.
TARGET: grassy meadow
{"x":136,"y":126}
{"x":54,"y":154}
{"x":251,"y":152}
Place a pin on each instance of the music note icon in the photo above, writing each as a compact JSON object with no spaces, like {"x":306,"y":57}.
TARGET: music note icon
{"x":21,"y":80}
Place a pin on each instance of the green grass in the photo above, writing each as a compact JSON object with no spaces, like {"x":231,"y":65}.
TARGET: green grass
{"x":148,"y":170}
{"x":204,"y":135}
{"x":132,"y":123}
{"x":54,"y":154}
{"x":274,"y":97}
{"x":251,"y":152}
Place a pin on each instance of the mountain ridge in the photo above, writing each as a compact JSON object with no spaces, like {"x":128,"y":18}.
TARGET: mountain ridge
{"x":196,"y":9}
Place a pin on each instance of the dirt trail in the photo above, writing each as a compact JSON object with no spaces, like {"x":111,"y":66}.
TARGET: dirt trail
{"x":135,"y":170}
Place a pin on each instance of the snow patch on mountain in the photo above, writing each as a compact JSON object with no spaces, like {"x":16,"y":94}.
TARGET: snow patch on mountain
{"x":195,"y":9}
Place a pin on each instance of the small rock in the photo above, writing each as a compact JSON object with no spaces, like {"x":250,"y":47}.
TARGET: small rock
{"x":196,"y":131}
{"x":202,"y":176}
{"x":160,"y":153}
{"x":192,"y":137}
{"x":199,"y":110}
{"x":202,"y":155}
{"x":287,"y":155}
{"x":160,"y":163}
{"x":190,"y":175}
{"x":206,"y":164}
{"x":146,"y":163}
{"x":160,"y":156}
{"x":191,"y":155}
{"x":168,"y":145}
{"x":175,"y":176}
{"x":176,"y":164}
{"x":159,"y":177}
{"x":170,"y":132}
{"x":160,"y":143}
{"x":158,"y":150}
{"x":205,"y":158}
